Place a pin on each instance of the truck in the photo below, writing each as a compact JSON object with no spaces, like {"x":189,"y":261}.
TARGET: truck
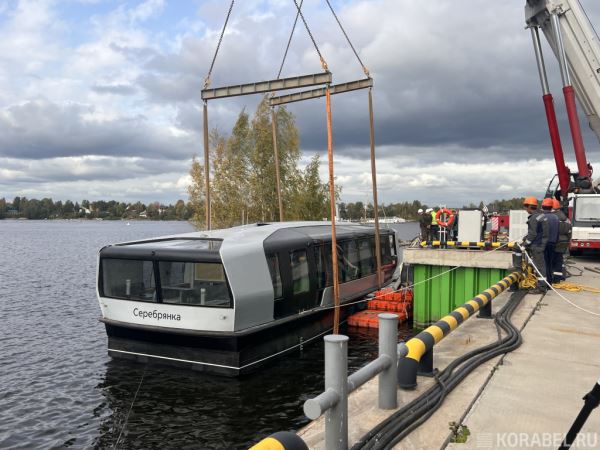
{"x":574,"y":42}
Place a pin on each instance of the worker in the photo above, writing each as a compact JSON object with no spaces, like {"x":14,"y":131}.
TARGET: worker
{"x":549,"y":251}
{"x":559,"y":272}
{"x":535,"y":242}
{"x":435,"y":228}
{"x":424,"y":223}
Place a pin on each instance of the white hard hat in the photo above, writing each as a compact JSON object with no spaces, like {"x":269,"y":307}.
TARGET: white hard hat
{"x":420,"y":211}
{"x":429,"y":210}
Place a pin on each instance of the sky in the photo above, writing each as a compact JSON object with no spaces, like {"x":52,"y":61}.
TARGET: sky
{"x":100,"y":99}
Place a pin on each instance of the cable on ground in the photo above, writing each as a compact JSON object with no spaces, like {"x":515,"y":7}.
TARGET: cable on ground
{"x":392,"y":430}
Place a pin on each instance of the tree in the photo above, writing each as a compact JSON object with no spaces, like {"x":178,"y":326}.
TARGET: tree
{"x":2,"y":208}
{"x":197,"y":195}
{"x":312,"y":197}
{"x":243,"y":185}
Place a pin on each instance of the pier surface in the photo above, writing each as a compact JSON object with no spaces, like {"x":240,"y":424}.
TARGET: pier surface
{"x":527,"y":399}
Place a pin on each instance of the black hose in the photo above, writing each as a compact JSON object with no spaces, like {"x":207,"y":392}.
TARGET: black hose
{"x":392,"y":430}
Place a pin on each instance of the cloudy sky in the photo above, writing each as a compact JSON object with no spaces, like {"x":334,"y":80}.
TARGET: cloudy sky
{"x":100,"y":99}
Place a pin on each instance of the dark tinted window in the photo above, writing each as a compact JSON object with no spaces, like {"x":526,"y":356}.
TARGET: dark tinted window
{"x":128,"y":279}
{"x":367,"y":256}
{"x":299,"y":266}
{"x":199,"y":283}
{"x":273,"y":262}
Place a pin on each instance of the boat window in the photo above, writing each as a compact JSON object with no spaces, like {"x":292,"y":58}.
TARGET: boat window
{"x":273,"y":261}
{"x":194,"y":283}
{"x":350,"y":261}
{"x":392,"y":245}
{"x":299,"y":265}
{"x":367,"y":256}
{"x":323,"y":263}
{"x":128,"y":279}
{"x":386,"y":253}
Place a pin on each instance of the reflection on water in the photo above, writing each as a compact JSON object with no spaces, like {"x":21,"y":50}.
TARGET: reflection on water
{"x":59,"y":389}
{"x":194,"y":410}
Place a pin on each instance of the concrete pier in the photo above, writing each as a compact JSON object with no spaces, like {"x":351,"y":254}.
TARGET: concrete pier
{"x":526,"y":399}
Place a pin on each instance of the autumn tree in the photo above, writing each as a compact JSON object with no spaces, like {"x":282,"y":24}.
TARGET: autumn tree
{"x":243,"y":181}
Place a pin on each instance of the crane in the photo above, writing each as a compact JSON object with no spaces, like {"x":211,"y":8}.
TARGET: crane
{"x":575,"y":44}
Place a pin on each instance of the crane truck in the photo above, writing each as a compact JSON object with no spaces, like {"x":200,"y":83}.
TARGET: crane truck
{"x":574,"y":42}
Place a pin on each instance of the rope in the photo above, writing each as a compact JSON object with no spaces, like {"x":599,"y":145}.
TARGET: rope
{"x":130,"y":408}
{"x":289,"y":40}
{"x":323,"y":63}
{"x":365,"y":70}
{"x":558,"y":293}
{"x":573,"y":287}
{"x":212,"y":64}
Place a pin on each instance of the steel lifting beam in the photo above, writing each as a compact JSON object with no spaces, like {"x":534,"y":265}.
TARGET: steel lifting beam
{"x":267,"y":86}
{"x":316,"y":93}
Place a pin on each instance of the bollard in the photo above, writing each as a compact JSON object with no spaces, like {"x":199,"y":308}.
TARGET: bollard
{"x":282,"y":440}
{"x":388,"y":336}
{"x":336,"y":379}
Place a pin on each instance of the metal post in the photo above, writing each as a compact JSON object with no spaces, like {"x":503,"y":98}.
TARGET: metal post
{"x":374,"y":186}
{"x":206,"y":168}
{"x":334,"y":255}
{"x":276,"y":153}
{"x":336,"y":379}
{"x":388,"y":346}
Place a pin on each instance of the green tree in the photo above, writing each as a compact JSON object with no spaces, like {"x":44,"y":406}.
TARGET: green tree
{"x":243,"y":184}
{"x":312,"y":197}
{"x":197,"y":195}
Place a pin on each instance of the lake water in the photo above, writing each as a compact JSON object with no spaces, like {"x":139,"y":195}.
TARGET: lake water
{"x":59,"y":389}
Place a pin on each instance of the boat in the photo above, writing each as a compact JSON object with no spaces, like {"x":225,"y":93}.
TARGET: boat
{"x":226,"y":301}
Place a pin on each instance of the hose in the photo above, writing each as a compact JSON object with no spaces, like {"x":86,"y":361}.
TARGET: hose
{"x":396,"y":427}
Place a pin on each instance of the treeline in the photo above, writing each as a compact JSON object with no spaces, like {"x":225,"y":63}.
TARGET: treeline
{"x":408,"y":210}
{"x":243,"y":181}
{"x":46,"y":208}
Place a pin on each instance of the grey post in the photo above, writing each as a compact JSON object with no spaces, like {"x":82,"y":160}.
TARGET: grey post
{"x":336,"y":379}
{"x":388,"y":338}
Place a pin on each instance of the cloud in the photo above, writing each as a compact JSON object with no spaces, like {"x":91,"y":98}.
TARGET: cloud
{"x":114,"y":94}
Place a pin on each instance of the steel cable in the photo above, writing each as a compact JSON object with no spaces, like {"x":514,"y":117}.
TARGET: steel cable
{"x":212,"y":64}
{"x":287,"y":48}
{"x":323,"y":63}
{"x":365,"y":70}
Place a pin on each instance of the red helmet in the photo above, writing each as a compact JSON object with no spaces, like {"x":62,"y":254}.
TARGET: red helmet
{"x":547,"y":202}
{"x":555,"y":204}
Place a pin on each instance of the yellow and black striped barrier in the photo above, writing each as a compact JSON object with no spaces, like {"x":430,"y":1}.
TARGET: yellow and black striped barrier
{"x":466,"y":244}
{"x":282,"y":440}
{"x":419,"y":357}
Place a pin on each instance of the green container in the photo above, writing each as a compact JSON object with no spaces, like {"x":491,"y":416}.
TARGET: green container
{"x":435,"y":298}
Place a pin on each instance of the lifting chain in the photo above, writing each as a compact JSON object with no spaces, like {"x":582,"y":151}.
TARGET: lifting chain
{"x":289,"y":40}
{"x":323,"y":62}
{"x":365,"y":70}
{"x":212,"y":64}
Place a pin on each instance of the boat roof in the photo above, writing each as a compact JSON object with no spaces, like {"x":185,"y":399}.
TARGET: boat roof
{"x":209,"y":243}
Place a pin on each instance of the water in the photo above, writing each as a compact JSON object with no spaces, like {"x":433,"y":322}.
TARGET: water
{"x":59,"y":389}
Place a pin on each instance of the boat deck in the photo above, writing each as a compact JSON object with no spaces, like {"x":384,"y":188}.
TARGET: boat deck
{"x":533,"y":395}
